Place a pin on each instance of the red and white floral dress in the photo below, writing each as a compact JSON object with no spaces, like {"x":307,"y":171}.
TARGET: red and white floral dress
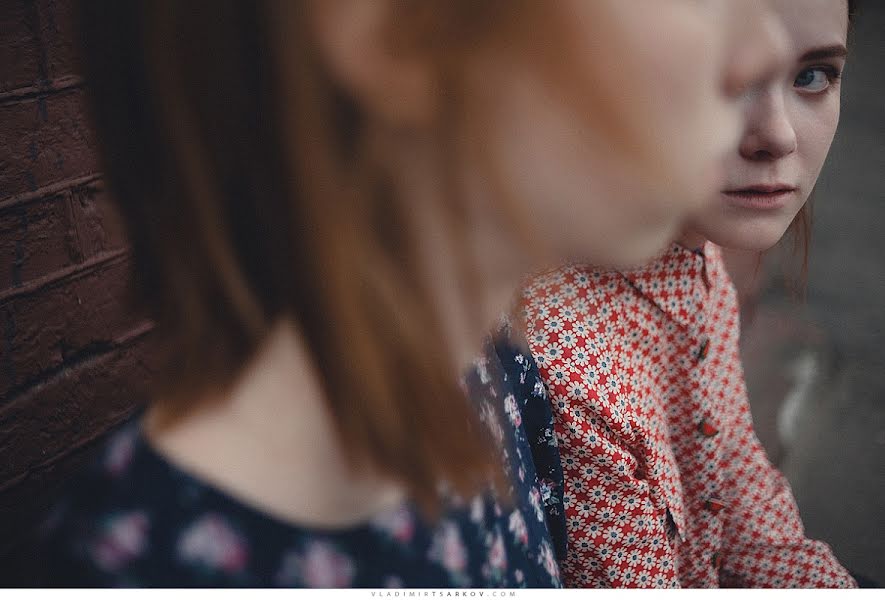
{"x":666,"y":484}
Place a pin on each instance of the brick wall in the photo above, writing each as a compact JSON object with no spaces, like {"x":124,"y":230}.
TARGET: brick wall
{"x":73,"y":360}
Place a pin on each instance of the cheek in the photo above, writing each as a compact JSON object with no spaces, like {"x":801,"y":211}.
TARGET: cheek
{"x":578,"y":198}
{"x":815,"y":126}
{"x":682,"y":109}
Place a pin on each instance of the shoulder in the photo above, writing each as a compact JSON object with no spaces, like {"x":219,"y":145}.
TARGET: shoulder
{"x":577,"y":324}
{"x":574,"y":306}
{"x":579,"y":287}
{"x":99,"y":521}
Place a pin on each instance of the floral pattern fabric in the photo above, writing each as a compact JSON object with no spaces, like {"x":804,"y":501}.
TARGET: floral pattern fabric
{"x":135,"y":520}
{"x":666,"y":484}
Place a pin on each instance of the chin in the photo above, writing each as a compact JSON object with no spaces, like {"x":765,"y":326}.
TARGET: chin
{"x":753,"y":237}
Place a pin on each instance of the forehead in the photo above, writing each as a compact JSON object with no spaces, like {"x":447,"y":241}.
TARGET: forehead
{"x":813,"y":23}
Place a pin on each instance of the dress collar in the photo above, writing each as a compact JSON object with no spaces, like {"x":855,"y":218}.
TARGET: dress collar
{"x":678,"y":282}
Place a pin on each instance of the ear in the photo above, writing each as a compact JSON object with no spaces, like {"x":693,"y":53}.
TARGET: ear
{"x":356,"y":42}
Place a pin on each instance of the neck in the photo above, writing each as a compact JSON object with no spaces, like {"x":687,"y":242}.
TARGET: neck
{"x":691,"y":239}
{"x":270,"y":442}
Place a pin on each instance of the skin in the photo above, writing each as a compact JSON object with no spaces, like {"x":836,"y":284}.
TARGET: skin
{"x":790,"y":124}
{"x":545,"y":149}
{"x":558,"y":139}
{"x":681,"y":65}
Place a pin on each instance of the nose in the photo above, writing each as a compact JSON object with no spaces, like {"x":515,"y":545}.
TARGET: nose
{"x":769,"y":133}
{"x":758,"y":46}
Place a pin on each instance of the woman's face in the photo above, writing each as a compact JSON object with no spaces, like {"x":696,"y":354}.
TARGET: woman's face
{"x":616,"y":130}
{"x":789,"y":126}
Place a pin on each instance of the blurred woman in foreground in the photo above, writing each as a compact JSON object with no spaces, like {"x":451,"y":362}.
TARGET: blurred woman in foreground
{"x":328,"y":202}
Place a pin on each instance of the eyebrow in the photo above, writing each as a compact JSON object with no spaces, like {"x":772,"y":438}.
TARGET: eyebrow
{"x":834,"y":51}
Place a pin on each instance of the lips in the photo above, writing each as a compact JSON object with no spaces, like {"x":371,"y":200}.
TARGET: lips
{"x":761,"y":196}
{"x":763,"y":188}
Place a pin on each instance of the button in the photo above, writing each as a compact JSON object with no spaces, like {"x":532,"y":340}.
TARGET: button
{"x":714,"y":505}
{"x":716,"y":560}
{"x":706,"y":429}
{"x":704,"y":350}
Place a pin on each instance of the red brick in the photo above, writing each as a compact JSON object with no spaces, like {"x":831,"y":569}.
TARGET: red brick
{"x":98,"y":224}
{"x":73,"y":408}
{"x":59,"y":41}
{"x":36,"y":238}
{"x":45,"y":140}
{"x":44,"y":330}
{"x":19,"y":45}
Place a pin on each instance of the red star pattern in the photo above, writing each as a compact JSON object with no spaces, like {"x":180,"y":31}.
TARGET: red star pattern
{"x":666,"y":483}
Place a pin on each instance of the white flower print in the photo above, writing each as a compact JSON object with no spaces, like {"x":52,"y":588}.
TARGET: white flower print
{"x":580,"y":358}
{"x":605,"y":514}
{"x":553,"y":324}
{"x":212,"y":542}
{"x":516,"y":525}
{"x":585,"y":509}
{"x":548,"y":560}
{"x":512,"y":410}
{"x":477,"y":509}
{"x":497,"y":555}
{"x":614,"y":534}
{"x":546,"y":486}
{"x":619,"y":557}
{"x":123,"y":538}
{"x":567,"y":339}
{"x":553,"y":352}
{"x":448,"y":549}
{"x":318,"y":565}
{"x":398,"y":523}
{"x":596,"y":493}
{"x":576,"y":391}
{"x":535,"y":500}
{"x":490,"y":418}
{"x":482,"y":369}
{"x":591,"y":378}
{"x":560,"y":377}
{"x":604,"y":365}
{"x":325,"y":567}
{"x":119,"y":452}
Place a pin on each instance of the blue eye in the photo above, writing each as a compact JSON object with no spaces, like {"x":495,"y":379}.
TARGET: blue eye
{"x":815,"y":79}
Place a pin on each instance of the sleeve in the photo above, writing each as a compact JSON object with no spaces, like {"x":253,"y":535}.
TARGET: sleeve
{"x":539,"y":428}
{"x":622,"y":532}
{"x":537,"y":424}
{"x":764,"y":542}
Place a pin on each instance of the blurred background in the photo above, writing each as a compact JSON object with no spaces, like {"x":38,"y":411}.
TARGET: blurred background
{"x":74,"y":362}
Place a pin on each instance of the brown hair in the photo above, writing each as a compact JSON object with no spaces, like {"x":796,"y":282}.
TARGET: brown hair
{"x":233,"y":227}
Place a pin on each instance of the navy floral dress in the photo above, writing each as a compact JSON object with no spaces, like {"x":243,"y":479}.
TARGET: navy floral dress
{"x":135,"y":520}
